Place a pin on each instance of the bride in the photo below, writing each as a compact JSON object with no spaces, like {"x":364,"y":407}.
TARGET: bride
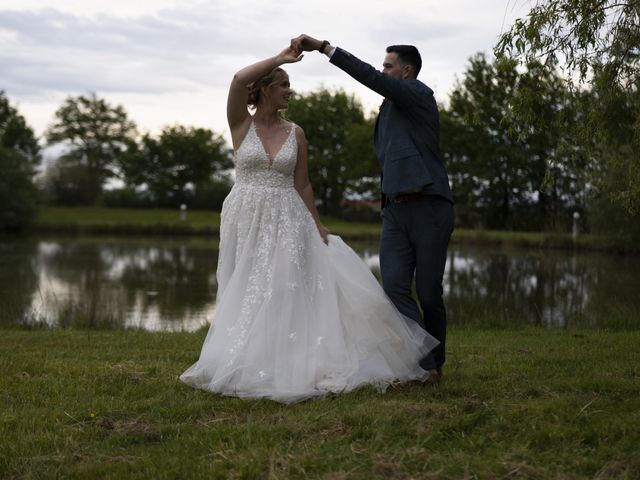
{"x":298,"y":314}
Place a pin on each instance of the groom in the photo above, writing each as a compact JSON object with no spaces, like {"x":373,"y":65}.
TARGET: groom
{"x":417,"y":204}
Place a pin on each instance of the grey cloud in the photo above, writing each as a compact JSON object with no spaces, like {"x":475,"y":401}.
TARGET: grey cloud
{"x":168,"y":33}
{"x":435,"y":37}
{"x":189,"y":52}
{"x":167,"y":52}
{"x":416,"y":31}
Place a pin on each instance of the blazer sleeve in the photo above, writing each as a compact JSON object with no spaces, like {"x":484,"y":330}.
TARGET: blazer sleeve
{"x":401,"y":92}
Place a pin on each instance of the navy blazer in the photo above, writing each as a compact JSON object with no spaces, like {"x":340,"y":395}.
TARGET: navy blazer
{"x":407,"y":134}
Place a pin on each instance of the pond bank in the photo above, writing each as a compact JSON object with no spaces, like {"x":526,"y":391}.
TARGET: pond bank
{"x":110,"y":221}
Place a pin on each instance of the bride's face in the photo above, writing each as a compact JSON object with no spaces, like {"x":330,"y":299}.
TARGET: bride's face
{"x":279,"y":91}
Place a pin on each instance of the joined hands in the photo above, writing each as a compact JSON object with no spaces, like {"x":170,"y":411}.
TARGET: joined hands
{"x":302,"y":43}
{"x":305,"y":43}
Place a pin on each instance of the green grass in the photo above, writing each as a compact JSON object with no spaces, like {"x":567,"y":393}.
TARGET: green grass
{"x":528,"y":403}
{"x":131,"y":221}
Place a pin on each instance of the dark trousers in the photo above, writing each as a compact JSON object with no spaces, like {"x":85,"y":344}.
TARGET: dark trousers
{"x":415,"y":236}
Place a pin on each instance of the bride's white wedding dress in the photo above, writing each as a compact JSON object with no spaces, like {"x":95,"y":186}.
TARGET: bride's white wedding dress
{"x":295,"y":318}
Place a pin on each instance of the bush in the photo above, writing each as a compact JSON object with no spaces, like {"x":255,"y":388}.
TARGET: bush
{"x":211,"y":196}
{"x":18,"y":194}
{"x":208,"y":197}
{"x":608,"y":218}
{"x":126,"y":198}
{"x":69,"y":184}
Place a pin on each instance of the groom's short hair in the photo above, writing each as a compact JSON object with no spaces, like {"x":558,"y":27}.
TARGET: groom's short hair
{"x":408,"y":55}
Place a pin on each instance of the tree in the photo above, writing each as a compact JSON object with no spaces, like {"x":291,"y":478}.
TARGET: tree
{"x":364,"y":176}
{"x":597,"y":42}
{"x":590,"y":36}
{"x":340,"y":145}
{"x":19,"y":156}
{"x":614,"y":160}
{"x":499,"y":170}
{"x":488,"y":172}
{"x":97,"y":134}
{"x":559,"y":163}
{"x":67,"y":182}
{"x":16,"y":135}
{"x":180,"y":166}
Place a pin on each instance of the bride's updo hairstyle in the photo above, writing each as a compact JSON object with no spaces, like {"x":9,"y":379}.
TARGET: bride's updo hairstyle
{"x":254,"y":88}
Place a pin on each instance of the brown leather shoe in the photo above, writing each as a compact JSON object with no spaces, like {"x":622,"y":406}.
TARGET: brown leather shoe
{"x":433,"y":377}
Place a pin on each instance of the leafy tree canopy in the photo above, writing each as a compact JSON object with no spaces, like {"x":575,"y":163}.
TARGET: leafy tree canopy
{"x":177,"y":166}
{"x":340,"y":145}
{"x":97,"y":134}
{"x":19,"y":155}
{"x":15,"y":134}
{"x":597,"y":44}
{"x":589,"y":36}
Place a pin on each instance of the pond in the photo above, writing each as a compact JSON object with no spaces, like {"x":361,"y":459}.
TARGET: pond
{"x":169,"y":284}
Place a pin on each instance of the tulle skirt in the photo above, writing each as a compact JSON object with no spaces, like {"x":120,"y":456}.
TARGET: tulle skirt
{"x":296,"y":318}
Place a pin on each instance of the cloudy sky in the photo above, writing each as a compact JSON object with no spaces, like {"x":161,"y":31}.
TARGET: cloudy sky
{"x":169,"y":61}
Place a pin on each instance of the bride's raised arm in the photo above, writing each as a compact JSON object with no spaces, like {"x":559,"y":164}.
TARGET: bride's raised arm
{"x":238,"y":90}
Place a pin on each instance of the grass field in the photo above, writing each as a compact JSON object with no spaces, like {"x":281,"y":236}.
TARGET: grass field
{"x":89,"y":220}
{"x":529,"y":403}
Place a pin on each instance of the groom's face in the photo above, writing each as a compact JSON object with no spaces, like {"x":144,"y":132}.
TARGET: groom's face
{"x":392,"y":66}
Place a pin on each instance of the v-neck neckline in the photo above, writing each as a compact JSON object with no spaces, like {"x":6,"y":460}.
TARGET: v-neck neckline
{"x":270,"y":159}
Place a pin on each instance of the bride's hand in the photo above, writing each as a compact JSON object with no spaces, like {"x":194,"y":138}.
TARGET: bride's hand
{"x":324,"y":233}
{"x":290,"y":55}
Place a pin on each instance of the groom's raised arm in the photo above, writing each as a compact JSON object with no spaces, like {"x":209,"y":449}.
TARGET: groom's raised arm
{"x":398,"y":91}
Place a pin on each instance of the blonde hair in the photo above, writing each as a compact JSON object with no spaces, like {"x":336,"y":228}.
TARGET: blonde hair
{"x":265,"y":81}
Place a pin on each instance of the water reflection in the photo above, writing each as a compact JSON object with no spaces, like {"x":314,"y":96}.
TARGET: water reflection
{"x":551,"y":289}
{"x":115,"y":283}
{"x":163,"y":284}
{"x":18,"y":278}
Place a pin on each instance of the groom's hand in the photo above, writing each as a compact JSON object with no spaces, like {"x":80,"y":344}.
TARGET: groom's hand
{"x":305,"y":43}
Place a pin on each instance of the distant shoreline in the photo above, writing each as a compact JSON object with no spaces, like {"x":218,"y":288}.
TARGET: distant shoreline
{"x":111,"y":221}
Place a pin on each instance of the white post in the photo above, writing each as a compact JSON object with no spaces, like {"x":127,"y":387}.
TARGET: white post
{"x":183,"y":212}
{"x":576,"y":228}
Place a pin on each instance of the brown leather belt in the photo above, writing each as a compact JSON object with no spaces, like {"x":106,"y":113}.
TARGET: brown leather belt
{"x":407,"y":197}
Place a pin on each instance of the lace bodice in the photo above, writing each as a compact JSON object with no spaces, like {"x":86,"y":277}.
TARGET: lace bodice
{"x":253,"y":166}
